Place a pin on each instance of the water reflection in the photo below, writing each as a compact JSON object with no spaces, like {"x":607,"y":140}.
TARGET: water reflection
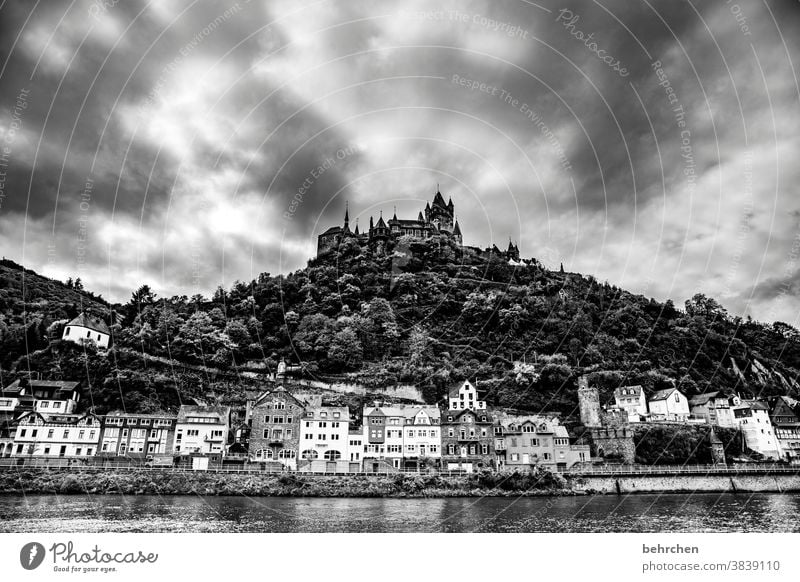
{"x":634,"y":513}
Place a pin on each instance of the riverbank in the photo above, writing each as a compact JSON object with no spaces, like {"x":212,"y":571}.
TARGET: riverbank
{"x":168,"y":482}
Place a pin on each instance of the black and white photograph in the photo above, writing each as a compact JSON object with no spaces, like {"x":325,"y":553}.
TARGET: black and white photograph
{"x":294,"y":268}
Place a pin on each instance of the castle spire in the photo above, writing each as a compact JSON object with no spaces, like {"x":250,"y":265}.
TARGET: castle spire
{"x":347,"y":216}
{"x":395,"y":213}
{"x":356,"y":230}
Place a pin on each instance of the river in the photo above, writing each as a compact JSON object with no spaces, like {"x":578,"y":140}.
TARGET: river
{"x":761,"y":512}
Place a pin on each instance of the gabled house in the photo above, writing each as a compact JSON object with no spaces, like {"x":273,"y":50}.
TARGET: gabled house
{"x":632,"y":400}
{"x":274,"y":418}
{"x":669,"y":405}
{"x":715,"y":407}
{"x":465,"y":396}
{"x":786,"y":422}
{"x":467,"y":440}
{"x":56,"y":435}
{"x":87,"y":328}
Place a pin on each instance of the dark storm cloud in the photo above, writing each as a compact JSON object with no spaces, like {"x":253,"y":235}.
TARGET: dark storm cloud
{"x":212,"y":132}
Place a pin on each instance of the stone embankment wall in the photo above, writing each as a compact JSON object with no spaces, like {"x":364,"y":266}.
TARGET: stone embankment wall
{"x":404,"y":391}
{"x":685,"y":483}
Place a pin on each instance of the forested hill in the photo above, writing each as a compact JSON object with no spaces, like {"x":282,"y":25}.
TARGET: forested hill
{"x":431,"y":314}
{"x":30,"y":304}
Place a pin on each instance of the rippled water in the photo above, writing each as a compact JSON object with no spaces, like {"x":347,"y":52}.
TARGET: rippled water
{"x":634,"y":513}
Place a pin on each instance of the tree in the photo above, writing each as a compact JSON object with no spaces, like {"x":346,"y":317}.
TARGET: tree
{"x":346,"y":351}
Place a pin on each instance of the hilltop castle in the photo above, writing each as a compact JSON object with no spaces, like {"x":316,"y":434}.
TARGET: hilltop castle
{"x":438,"y":219}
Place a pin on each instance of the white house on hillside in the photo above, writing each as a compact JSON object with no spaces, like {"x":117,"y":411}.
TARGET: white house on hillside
{"x":670,"y":405}
{"x":631,"y":399}
{"x":87,"y":328}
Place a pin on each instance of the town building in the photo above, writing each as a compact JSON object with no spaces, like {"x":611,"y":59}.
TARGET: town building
{"x":465,"y":396}
{"x":136,"y":435}
{"x":401,"y":437}
{"x":324,"y":437}
{"x":56,"y":435}
{"x":45,"y":396}
{"x":87,"y":328}
{"x":537,"y":441}
{"x":202,"y":430}
{"x":355,"y":446}
{"x":632,"y":400}
{"x":752,"y":418}
{"x":422,"y":439}
{"x":786,"y":422}
{"x":467,"y":440}
{"x":274,"y":419}
{"x":715,"y":408}
{"x":669,"y":405}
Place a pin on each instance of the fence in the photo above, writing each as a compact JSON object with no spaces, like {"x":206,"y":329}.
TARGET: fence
{"x":763,"y":468}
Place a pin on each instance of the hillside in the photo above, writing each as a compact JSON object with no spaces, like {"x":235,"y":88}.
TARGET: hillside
{"x":428,"y":313}
{"x":30,"y":304}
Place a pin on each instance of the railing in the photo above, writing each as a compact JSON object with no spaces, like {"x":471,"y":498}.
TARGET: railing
{"x":681,"y":469}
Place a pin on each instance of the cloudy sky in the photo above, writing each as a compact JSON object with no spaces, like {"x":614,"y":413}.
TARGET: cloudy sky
{"x":190,"y":144}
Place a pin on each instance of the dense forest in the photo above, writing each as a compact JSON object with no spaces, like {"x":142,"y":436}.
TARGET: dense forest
{"x":428,"y":313}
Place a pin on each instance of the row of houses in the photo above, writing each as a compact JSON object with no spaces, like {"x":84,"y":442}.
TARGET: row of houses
{"x":291,"y":431}
{"x":769,"y":426}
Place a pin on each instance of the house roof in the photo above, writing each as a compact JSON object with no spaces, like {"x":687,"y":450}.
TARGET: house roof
{"x":757,"y":404}
{"x":277,"y":391}
{"x":316,"y":413}
{"x":91,"y":322}
{"x":663,"y":394}
{"x":456,"y":388}
{"x":637,"y":389}
{"x":121,"y":414}
{"x":701,"y":399}
{"x":220,"y":412}
{"x":332,"y":230}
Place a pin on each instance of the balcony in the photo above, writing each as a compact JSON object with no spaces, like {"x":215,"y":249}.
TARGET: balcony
{"x":214,"y":439}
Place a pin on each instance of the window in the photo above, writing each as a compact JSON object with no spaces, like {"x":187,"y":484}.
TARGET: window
{"x":451,"y":450}
{"x":81,"y":434}
{"x":513,"y":442}
{"x":22,"y":432}
{"x":67,"y":332}
{"x":515,"y":456}
{"x":322,"y":437}
{"x":66,"y":434}
{"x":309,"y":454}
{"x":472,"y":449}
{"x":279,"y":406}
{"x":78,"y":452}
{"x":287,"y":454}
{"x":411,"y":434}
{"x":288,"y":433}
{"x":288,"y":420}
{"x":323,"y":415}
{"x":266,"y":419}
{"x":56,"y":405}
{"x":334,"y":437}
{"x":534,"y":442}
{"x":337,"y":414}
{"x":484,"y":449}
{"x":44,"y":404}
{"x":50,"y":433}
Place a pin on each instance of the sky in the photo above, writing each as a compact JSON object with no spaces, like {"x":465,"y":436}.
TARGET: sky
{"x":188,"y":145}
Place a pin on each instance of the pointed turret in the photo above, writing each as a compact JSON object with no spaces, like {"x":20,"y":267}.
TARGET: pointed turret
{"x":355,"y":232}
{"x":438,"y":200}
{"x":450,"y":203}
{"x":457,"y":229}
{"x":420,"y":217}
{"x":346,"y":217}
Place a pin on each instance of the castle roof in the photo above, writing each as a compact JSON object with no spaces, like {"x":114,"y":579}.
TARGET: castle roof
{"x":439,"y":200}
{"x":381,"y":223}
{"x":456,"y":229}
{"x":333,"y":230}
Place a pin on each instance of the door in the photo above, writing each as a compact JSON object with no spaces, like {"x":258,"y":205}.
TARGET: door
{"x":63,"y":451}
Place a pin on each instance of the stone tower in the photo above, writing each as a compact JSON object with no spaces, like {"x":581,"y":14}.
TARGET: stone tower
{"x":589,"y":403}
{"x":717,"y":449}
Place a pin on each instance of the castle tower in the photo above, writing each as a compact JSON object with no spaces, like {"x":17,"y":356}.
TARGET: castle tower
{"x":589,"y":403}
{"x":441,"y":212}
